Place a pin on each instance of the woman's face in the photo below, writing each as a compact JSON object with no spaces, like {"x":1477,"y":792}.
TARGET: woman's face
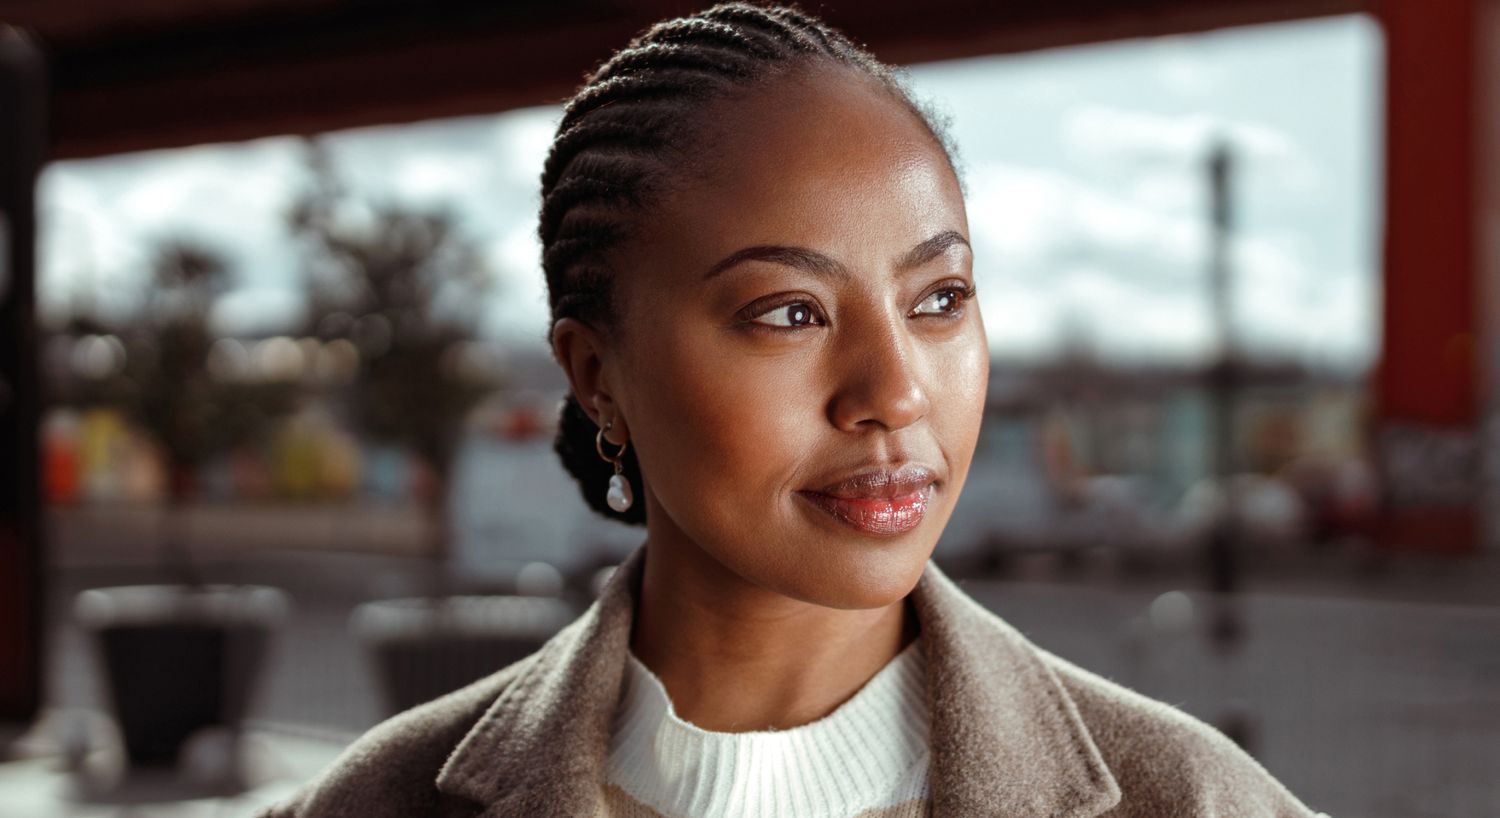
{"x":800,"y":370}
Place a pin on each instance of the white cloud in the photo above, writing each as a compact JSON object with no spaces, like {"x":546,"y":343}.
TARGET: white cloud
{"x":1189,"y":75}
{"x":522,"y":314}
{"x":437,"y":178}
{"x":1016,"y":214}
{"x":522,"y":140}
{"x":1019,"y":320}
{"x":1138,"y":141}
{"x":1060,"y":253}
{"x":257,"y":311}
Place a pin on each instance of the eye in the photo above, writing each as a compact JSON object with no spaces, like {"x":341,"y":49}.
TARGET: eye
{"x":946,"y":301}
{"x":789,"y":316}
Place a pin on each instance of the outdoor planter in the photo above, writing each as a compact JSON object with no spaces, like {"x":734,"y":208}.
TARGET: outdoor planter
{"x":425,"y":647}
{"x":179,"y":658}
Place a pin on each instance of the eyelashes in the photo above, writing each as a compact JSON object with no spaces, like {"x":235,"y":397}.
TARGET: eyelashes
{"x":796,"y":312}
{"x":949,"y":300}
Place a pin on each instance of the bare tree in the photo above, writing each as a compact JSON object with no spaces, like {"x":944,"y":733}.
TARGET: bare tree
{"x":165,"y":384}
{"x":404,"y":285}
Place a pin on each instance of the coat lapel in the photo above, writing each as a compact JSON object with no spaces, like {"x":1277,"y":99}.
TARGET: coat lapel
{"x":1006,"y":738}
{"x":539,"y":750}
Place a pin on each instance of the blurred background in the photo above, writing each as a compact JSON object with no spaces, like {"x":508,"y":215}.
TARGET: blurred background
{"x":276,"y":406}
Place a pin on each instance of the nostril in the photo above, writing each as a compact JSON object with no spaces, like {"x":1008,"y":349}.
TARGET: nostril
{"x":878,"y":378}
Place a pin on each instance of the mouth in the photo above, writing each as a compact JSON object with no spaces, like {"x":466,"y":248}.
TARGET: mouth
{"x":881,"y":502}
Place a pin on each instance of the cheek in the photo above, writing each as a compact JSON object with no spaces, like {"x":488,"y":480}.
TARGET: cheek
{"x":958,"y":405}
{"x":721,"y":432}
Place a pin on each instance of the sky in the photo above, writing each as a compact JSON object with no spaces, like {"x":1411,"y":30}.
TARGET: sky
{"x":1083,"y":170}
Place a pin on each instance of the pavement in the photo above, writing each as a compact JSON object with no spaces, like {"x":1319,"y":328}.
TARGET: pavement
{"x":1369,"y":686}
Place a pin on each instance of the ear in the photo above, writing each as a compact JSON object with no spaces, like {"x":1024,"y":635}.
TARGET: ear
{"x":581,"y":350}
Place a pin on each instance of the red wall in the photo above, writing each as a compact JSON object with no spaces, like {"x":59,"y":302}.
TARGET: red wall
{"x":1427,"y":381}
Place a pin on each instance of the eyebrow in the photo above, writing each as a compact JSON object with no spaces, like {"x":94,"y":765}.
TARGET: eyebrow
{"x":821,"y":265}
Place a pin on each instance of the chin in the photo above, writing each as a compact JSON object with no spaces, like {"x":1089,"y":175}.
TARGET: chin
{"x":840,"y":567}
{"x":858,"y":575}
{"x":811,"y":558}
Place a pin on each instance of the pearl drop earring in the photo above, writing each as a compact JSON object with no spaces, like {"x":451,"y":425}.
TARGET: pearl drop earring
{"x":619,"y":496}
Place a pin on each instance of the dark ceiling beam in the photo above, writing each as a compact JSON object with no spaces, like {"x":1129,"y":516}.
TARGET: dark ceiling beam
{"x":320,"y":66}
{"x":1013,"y":27}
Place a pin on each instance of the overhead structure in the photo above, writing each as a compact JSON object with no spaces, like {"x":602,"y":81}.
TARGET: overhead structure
{"x":158,"y":73}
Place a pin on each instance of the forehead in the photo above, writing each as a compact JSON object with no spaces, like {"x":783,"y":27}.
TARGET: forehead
{"x":823,"y":157}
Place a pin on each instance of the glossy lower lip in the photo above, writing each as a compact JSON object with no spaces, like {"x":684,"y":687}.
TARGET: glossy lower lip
{"x":871,"y":515}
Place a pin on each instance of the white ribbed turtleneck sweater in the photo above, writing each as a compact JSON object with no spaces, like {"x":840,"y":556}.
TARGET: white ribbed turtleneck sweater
{"x":867,"y":758}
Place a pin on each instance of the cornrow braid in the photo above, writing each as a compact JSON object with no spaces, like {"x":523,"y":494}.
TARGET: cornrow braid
{"x":620,"y":137}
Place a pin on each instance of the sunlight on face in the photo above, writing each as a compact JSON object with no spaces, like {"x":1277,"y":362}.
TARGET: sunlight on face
{"x":796,"y":313}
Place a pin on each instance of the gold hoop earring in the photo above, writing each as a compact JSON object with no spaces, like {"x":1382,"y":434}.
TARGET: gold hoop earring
{"x":619,"y":496}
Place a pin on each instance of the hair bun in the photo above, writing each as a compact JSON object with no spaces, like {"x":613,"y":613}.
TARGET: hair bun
{"x":576,"y":433}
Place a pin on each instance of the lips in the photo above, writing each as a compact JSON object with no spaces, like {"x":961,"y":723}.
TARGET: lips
{"x":877,"y":501}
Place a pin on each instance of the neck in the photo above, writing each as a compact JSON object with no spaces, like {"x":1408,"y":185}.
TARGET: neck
{"x":737,"y":657}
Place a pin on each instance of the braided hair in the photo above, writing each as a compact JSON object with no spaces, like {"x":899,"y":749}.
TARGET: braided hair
{"x":621,"y":137}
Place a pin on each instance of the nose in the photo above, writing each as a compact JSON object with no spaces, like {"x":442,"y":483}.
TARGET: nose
{"x":881,"y":383}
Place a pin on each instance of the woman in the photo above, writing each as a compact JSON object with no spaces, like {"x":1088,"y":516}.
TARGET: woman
{"x":762,"y":294}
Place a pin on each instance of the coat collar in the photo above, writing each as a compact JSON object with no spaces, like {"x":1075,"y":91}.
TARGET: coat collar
{"x":1006,"y":737}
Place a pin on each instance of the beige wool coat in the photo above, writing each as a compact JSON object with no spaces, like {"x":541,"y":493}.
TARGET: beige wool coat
{"x":1016,"y":732}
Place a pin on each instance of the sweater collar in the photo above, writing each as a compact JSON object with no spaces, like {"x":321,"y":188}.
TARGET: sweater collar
{"x":870,"y":752}
{"x":1006,"y":738}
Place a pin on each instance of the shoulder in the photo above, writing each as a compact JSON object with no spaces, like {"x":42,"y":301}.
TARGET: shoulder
{"x":392,"y":768}
{"x":1167,"y":762}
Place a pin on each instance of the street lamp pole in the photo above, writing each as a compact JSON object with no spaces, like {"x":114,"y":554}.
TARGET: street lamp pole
{"x":1222,"y":565}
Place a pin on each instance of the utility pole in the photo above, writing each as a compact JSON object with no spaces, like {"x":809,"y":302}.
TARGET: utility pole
{"x":1226,"y":628}
{"x":1222,"y":567}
